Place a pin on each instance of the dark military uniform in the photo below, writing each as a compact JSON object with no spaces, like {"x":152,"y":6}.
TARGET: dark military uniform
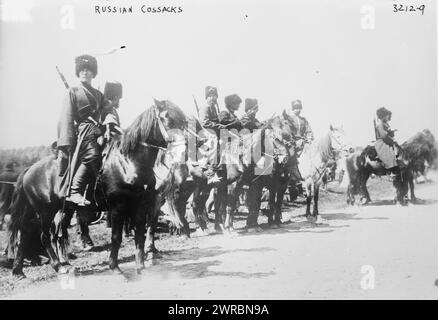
{"x":302,"y":134}
{"x":209,"y":114}
{"x":249,"y":120}
{"x":227,"y":117}
{"x":385,"y":142}
{"x":80,"y":126}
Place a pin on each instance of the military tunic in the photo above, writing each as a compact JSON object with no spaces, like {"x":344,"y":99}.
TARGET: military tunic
{"x":230,"y":120}
{"x":80,"y":120}
{"x":300,"y":126}
{"x":209,"y":117}
{"x":384,"y":144}
{"x":250,"y":122}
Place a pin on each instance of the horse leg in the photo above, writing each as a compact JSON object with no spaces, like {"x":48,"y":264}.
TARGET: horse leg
{"x":315,"y":201}
{"x":62,"y":239}
{"x":200,"y":197}
{"x":118,"y":210}
{"x":272,"y":204}
{"x":308,"y":198}
{"x":139,"y":238}
{"x":254,"y":200}
{"x":84,"y":231}
{"x":180,"y":200}
{"x":280,"y":196}
{"x":155,"y":202}
{"x":231,"y":205}
{"x":47,"y":243}
{"x":17,"y":266}
{"x":363,"y":187}
{"x":411,"y":188}
{"x":220,"y":207}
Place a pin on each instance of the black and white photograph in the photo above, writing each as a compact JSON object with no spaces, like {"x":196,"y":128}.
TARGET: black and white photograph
{"x":246,"y":150}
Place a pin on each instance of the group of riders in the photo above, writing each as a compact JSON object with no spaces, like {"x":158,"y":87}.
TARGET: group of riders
{"x":89,"y":119}
{"x":90,"y":140}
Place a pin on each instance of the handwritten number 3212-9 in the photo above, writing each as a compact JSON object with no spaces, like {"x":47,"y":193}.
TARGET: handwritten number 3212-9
{"x":400,"y":7}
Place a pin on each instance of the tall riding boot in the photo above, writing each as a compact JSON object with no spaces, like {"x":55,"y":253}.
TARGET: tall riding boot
{"x":78,"y":185}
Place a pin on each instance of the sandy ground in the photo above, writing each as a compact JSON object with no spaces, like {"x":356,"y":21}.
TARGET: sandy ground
{"x":381,"y":251}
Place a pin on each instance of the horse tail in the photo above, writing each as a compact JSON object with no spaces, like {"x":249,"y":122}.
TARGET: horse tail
{"x":18,"y":210}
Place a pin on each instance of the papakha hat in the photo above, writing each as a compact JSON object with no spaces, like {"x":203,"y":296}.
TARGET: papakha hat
{"x":232,"y":99}
{"x":86,"y":61}
{"x":383,"y":112}
{"x":210,"y":91}
{"x":250,"y":103}
{"x":296,"y":104}
{"x":113,"y":90}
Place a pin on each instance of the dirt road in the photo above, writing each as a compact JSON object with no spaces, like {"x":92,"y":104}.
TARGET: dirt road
{"x":372,"y":252}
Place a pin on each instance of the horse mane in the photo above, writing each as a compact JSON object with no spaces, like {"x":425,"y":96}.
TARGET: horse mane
{"x":138,"y":131}
{"x":324,"y":147}
{"x":421,"y":145}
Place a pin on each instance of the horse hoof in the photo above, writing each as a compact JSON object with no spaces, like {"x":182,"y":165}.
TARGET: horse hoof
{"x":139,"y":270}
{"x":201,"y":233}
{"x":18,"y":275}
{"x":67,"y":269}
{"x":116,"y":270}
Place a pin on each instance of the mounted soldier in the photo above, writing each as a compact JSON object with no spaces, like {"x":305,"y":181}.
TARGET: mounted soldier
{"x":249,"y":120}
{"x":385,"y":144}
{"x":209,"y":118}
{"x":80,"y":132}
{"x":302,"y":135}
{"x":228,"y":117}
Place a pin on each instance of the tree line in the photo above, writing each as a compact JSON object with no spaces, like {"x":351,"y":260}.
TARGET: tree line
{"x":23,"y":157}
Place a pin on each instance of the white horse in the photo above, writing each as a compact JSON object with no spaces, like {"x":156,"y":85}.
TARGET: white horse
{"x":313,"y":164}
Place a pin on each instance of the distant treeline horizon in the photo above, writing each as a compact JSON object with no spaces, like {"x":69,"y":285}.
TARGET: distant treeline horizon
{"x":23,"y":157}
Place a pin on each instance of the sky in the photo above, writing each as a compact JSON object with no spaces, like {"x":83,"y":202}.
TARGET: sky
{"x":342,"y":59}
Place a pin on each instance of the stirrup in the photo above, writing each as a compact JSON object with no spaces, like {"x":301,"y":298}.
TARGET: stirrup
{"x":78,"y":199}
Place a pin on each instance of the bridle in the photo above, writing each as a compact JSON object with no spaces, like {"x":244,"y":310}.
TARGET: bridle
{"x":163,"y":132}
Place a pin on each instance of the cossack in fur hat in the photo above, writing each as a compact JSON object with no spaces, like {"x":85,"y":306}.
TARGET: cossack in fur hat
{"x":210,"y":91}
{"x":250,"y":103}
{"x":86,"y":61}
{"x":383,"y":112}
{"x":296,"y":104}
{"x":113,"y":90}
{"x":232,"y":99}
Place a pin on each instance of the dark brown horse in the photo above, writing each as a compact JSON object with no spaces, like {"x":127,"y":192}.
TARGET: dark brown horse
{"x":127,"y":180}
{"x":7,"y":185}
{"x":266,"y":170}
{"x":360,"y":165}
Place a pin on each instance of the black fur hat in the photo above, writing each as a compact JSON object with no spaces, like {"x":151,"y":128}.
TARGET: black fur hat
{"x":250,"y":103}
{"x":113,"y":90}
{"x":231,"y":99}
{"x":296,"y":104}
{"x":383,"y":112}
{"x":86,"y":61}
{"x":209,"y":90}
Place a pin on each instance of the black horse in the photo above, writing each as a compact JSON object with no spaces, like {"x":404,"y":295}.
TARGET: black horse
{"x":127,"y":180}
{"x":240,"y":172}
{"x":360,"y":165}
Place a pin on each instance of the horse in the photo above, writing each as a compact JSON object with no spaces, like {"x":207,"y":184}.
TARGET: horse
{"x":313,"y":163}
{"x":241,"y":171}
{"x":127,"y":181}
{"x":360,"y":165}
{"x":7,"y":182}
